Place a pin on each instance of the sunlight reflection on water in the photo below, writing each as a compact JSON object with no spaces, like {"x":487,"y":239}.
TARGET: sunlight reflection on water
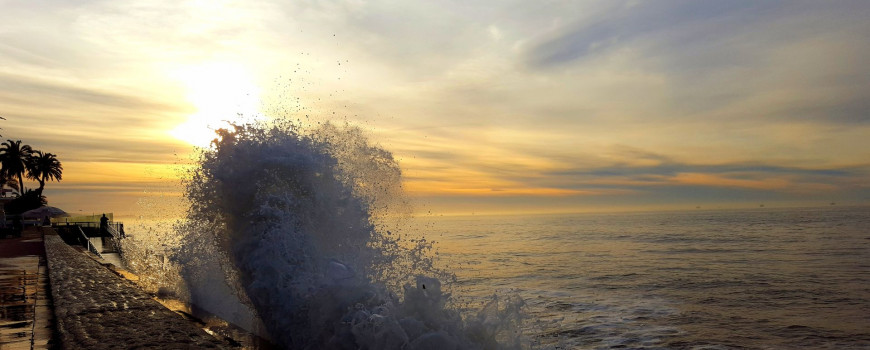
{"x":755,"y":279}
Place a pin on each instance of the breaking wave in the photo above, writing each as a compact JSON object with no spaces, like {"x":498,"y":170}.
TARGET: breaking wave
{"x":296,"y":235}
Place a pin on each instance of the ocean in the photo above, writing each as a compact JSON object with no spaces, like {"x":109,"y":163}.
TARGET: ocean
{"x":305,"y":238}
{"x":707,"y":279}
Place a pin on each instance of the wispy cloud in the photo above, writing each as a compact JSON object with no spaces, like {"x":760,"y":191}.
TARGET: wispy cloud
{"x":571,"y":103}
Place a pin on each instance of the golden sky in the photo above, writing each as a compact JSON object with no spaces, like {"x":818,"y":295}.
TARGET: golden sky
{"x":490,"y":106}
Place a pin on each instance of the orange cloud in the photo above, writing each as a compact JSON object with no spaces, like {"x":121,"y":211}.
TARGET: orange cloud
{"x":784,"y":184}
{"x":444,"y":188}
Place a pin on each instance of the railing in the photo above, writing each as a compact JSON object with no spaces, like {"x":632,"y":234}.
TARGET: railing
{"x":116,"y":225}
{"x":88,"y":244}
{"x":113,"y":230}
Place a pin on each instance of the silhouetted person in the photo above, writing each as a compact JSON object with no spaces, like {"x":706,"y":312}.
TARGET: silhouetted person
{"x":46,"y":221}
{"x":104,"y":225}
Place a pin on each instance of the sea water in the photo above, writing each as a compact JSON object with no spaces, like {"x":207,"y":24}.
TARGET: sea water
{"x":301,"y":237}
{"x":706,"y":279}
{"x":305,"y":238}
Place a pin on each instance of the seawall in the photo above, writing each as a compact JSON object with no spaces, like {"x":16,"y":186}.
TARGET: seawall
{"x":96,"y":309}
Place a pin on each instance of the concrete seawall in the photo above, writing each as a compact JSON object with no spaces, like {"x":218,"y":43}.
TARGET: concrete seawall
{"x":96,"y":309}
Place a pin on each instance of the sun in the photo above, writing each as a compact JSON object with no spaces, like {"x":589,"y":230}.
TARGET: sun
{"x":221,"y":93}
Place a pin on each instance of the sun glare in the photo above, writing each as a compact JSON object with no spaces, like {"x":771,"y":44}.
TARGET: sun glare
{"x":221,"y":93}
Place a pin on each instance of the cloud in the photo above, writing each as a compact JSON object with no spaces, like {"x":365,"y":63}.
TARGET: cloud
{"x":790,"y":61}
{"x":664,"y":21}
{"x":575,"y":101}
{"x":495,"y":170}
{"x":735,"y":176}
{"x":29,"y":92}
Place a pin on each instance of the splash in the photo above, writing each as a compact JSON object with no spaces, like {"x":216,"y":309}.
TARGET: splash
{"x":294,"y":233}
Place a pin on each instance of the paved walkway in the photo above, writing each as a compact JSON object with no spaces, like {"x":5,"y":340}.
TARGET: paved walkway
{"x":96,"y":309}
{"x":25,"y":309}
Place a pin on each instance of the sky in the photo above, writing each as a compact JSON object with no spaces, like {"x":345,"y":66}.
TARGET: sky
{"x":489,"y":106}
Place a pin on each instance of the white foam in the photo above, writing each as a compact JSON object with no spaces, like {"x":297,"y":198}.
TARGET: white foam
{"x":290,"y":228}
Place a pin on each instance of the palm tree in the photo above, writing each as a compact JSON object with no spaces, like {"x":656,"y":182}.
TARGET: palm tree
{"x":8,"y":181}
{"x":43,"y":167}
{"x":13,"y":159}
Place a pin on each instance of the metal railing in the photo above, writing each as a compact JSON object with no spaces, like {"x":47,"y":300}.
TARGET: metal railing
{"x":113,"y":229}
{"x":115,"y":225}
{"x":87,"y":242}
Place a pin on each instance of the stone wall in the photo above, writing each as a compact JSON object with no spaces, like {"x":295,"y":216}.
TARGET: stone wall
{"x":96,"y":309}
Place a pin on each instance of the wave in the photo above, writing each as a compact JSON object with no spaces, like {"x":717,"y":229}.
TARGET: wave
{"x":296,"y":233}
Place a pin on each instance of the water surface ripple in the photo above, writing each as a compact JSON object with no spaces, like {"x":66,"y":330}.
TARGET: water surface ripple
{"x":751,"y":279}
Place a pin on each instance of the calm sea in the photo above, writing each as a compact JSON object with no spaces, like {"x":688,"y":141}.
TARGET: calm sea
{"x":751,"y":279}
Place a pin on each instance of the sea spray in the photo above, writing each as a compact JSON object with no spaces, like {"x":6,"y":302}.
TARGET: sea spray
{"x":291,"y":228}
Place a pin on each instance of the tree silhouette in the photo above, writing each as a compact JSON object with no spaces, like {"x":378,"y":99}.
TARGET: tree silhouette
{"x":43,"y":167}
{"x":13,"y":159}
{"x":8,"y":181}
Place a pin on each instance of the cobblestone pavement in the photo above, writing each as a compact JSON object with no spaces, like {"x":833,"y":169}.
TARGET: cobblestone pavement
{"x":96,"y":309}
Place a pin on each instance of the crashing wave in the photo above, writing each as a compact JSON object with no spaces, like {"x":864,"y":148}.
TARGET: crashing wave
{"x":292,"y":228}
